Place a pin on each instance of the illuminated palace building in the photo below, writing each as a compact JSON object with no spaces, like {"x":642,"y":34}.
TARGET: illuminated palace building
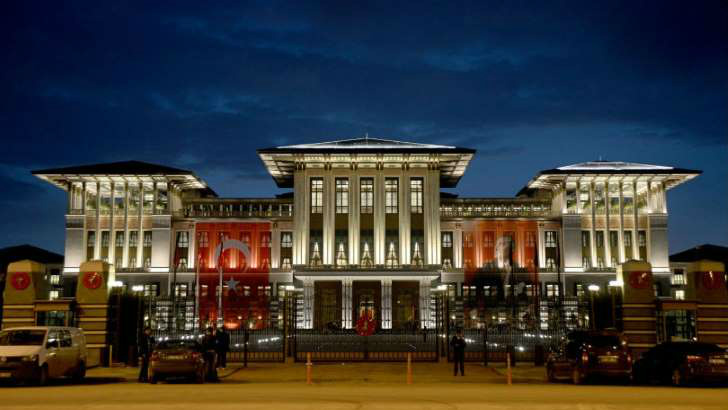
{"x":367,"y":228}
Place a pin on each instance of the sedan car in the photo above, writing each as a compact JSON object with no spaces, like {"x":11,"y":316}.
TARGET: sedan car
{"x":680,"y":363}
{"x":177,"y":358}
{"x":585,"y":354}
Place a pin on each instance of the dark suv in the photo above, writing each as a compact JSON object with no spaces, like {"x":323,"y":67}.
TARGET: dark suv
{"x":590,"y":353}
{"x":679,"y":363}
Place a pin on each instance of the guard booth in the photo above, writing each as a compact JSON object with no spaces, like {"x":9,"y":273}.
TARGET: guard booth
{"x":95,"y":279}
{"x":639,"y":307}
{"x":24,"y":285}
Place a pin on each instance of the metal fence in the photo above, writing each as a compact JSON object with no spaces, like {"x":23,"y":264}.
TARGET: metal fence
{"x":347,"y":345}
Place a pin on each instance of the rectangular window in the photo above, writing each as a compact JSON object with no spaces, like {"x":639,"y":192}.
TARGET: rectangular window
{"x":105,"y":246}
{"x":134,"y":198}
{"x":342,"y":196}
{"x":584,"y":198}
{"x":628,"y":198}
{"x":183,"y":244}
{"x":416,"y":193}
{"x":148,"y":197}
{"x":119,"y":198}
{"x":570,"y":198}
{"x":550,"y":244}
{"x":599,"y":199}
{"x":147,"y":251}
{"x":614,"y":247}
{"x":613,"y":198}
{"x":391,"y":195}
{"x":286,"y":240}
{"x":133,"y":243}
{"x":119,"y":249}
{"x":286,"y":263}
{"x":585,"y":249}
{"x":105,"y":201}
{"x":447,"y":239}
{"x":162,"y":199}
{"x":642,"y":243}
{"x":317,"y":195}
{"x":91,"y":197}
{"x":366,"y":193}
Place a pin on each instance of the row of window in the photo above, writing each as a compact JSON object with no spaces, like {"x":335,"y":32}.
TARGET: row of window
{"x":119,"y":242}
{"x":366,"y":193}
{"x":606,"y":195}
{"x":118,"y":197}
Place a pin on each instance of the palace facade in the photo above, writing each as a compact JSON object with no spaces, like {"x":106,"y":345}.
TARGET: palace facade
{"x":365,"y":227}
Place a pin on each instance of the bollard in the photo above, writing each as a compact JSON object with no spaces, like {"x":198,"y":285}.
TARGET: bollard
{"x":409,"y":367}
{"x":509,"y":373}
{"x":309,"y":369}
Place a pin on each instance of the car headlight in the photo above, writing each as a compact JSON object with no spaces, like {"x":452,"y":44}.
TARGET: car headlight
{"x":30,"y":358}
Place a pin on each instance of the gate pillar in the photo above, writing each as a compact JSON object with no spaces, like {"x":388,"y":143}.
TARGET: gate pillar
{"x":706,"y":285}
{"x":92,"y":296}
{"x":639,"y":311}
{"x":24,"y":284}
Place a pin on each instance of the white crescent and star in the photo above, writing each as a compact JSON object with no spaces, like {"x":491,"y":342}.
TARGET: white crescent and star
{"x":232,"y":284}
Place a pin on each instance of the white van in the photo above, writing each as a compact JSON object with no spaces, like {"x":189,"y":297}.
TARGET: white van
{"x":41,"y":352}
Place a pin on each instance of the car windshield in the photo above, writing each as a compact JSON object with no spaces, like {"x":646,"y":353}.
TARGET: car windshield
{"x":22,"y":337}
{"x":178,"y":344}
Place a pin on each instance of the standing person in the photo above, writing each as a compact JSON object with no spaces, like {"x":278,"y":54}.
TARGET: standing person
{"x":146,"y":345}
{"x":458,"y":344}
{"x":209,"y":345}
{"x":222,"y":347}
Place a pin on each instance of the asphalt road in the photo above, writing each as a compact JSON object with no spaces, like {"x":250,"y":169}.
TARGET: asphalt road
{"x":238,"y":392}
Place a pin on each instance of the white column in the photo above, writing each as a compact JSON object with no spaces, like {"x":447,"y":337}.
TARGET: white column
{"x":97,"y":245}
{"x":346,"y":302}
{"x":275,"y":246}
{"x":354,"y":215}
{"x":387,"y":303}
{"x":607,"y":235}
{"x":405,"y":228}
{"x":622,"y":256}
{"x":635,"y":227}
{"x":432,"y":214}
{"x":125,"y":251}
{"x":112,"y":239}
{"x":379,"y":220}
{"x":541,"y":246}
{"x":308,"y":303}
{"x":140,"y":228}
{"x":300,"y":217}
{"x":593,"y":233}
{"x":457,"y":247}
{"x":328,"y":245}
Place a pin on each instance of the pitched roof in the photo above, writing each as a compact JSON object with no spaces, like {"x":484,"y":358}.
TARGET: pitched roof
{"x":116,"y":168}
{"x":671,"y":176}
{"x":365,"y":145}
{"x":123,"y":171}
{"x":22,"y":252}
{"x":281,"y":161}
{"x":705,"y":251}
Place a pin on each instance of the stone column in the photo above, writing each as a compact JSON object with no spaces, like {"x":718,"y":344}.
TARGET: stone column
{"x":346,"y":302}
{"x":405,"y":228}
{"x":386,"y":303}
{"x":379,"y":218}
{"x":354,"y":215}
{"x":308,"y":303}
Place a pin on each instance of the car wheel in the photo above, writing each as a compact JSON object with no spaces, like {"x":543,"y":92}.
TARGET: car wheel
{"x":577,"y":377}
{"x":677,"y":378}
{"x":80,"y":372}
{"x":42,"y":376}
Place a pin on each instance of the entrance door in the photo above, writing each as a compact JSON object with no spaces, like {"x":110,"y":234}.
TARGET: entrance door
{"x":367,"y":300}
{"x":327,"y":305}
{"x":405,"y":304}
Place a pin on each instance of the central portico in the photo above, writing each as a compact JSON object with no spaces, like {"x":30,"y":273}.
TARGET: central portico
{"x":366,"y":225}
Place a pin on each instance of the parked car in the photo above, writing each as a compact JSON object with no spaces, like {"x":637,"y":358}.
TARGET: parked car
{"x":679,"y":363}
{"x":585,"y":354}
{"x":42,"y":352}
{"x":177,"y":358}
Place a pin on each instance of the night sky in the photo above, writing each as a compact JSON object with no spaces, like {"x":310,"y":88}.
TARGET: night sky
{"x":201,"y":86}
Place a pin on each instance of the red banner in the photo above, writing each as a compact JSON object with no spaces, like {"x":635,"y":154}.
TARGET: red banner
{"x":246,"y":288}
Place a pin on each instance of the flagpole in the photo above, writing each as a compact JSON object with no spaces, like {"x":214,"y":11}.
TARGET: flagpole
{"x":219,"y":295}
{"x":198,"y":260}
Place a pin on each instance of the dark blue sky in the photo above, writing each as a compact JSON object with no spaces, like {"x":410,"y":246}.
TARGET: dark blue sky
{"x":202,"y":85}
